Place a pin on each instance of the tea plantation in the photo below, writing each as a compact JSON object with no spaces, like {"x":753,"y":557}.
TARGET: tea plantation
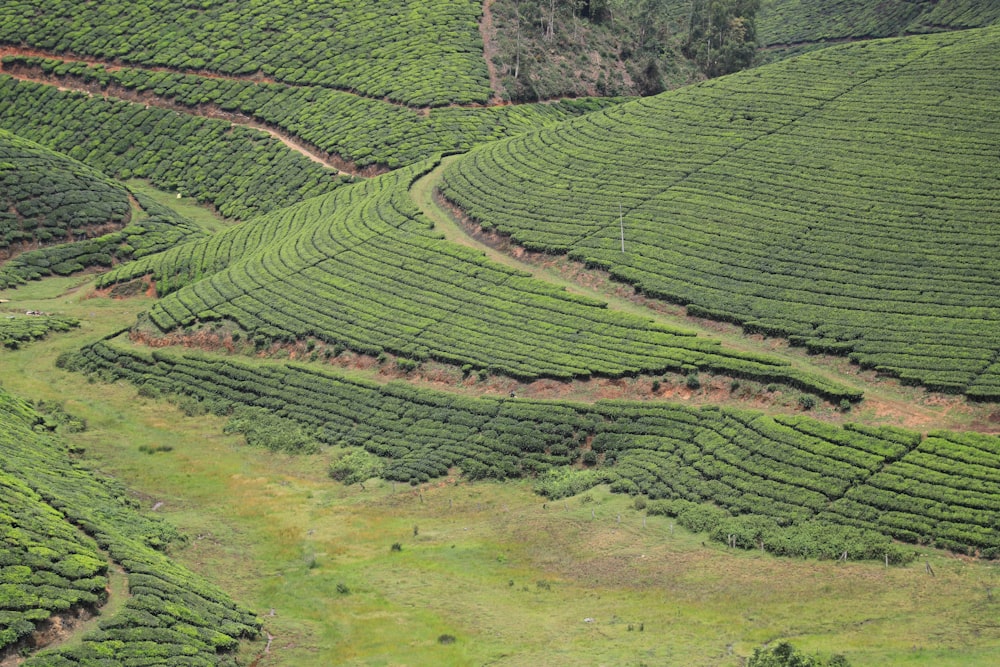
{"x":768,"y":471}
{"x":61,"y":524}
{"x":792,"y":22}
{"x":360,"y":130}
{"x":364,"y":269}
{"x":845,"y":199}
{"x":240,"y":171}
{"x":423,"y":53}
{"x":48,"y":197}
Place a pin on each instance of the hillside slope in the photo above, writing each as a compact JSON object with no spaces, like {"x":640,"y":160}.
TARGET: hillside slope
{"x":421,"y":53}
{"x":846,"y":199}
{"x":362,"y":268}
{"x":790,"y":470}
{"x":48,"y":198}
{"x":61,"y":524}
{"x":788,"y":22}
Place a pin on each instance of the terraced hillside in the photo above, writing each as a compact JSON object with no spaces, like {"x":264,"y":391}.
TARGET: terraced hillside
{"x":239,"y":171}
{"x":62,"y":216}
{"x":49,"y":198}
{"x":152,"y":229}
{"x":61,"y":524}
{"x":772,"y":472}
{"x":363,"y":268}
{"x":795,"y":22}
{"x":420,"y":53}
{"x":846,"y":199}
{"x":360,"y":132}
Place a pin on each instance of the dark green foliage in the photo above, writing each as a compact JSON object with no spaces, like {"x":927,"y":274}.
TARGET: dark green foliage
{"x":17,"y":329}
{"x":784,"y":654}
{"x":817,"y":199}
{"x":54,"y":516}
{"x":262,"y":428}
{"x":356,"y":467}
{"x":418,"y":52}
{"x":545,"y":50}
{"x":803,"y":487}
{"x":722,"y":37}
{"x":48,"y":198}
{"x":240,"y":171}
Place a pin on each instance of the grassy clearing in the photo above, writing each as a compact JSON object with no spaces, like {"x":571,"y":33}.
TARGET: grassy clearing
{"x":494,"y":568}
{"x":188,"y":207}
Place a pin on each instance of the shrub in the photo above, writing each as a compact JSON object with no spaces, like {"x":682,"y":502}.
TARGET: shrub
{"x":261,"y":428}
{"x":356,"y":467}
{"x":692,"y":381}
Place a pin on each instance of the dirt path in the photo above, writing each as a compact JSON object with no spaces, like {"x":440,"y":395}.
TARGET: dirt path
{"x":489,"y":49}
{"x":68,"y":628}
{"x":212,"y":111}
{"x":117,"y":64}
{"x":886,"y":401}
{"x":488,"y":33}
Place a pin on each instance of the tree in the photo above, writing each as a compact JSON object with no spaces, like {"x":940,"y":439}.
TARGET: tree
{"x":723,"y":35}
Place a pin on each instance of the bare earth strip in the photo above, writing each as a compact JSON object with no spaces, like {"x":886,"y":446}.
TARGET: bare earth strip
{"x":212,"y":111}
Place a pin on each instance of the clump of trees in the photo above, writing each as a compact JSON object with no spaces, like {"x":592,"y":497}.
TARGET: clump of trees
{"x":784,"y":654}
{"x":723,"y":35}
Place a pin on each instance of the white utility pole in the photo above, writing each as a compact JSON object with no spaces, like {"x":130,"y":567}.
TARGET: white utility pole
{"x":621,"y":223}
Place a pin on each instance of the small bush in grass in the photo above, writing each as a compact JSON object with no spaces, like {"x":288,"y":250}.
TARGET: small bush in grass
{"x":406,"y":365}
{"x":446,"y":639}
{"x":191,"y":406}
{"x":342,"y":588}
{"x":692,"y":381}
{"x":260,"y":428}
{"x":807,"y":402}
{"x":149,"y":391}
{"x":396,"y":546}
{"x":356,"y":467}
